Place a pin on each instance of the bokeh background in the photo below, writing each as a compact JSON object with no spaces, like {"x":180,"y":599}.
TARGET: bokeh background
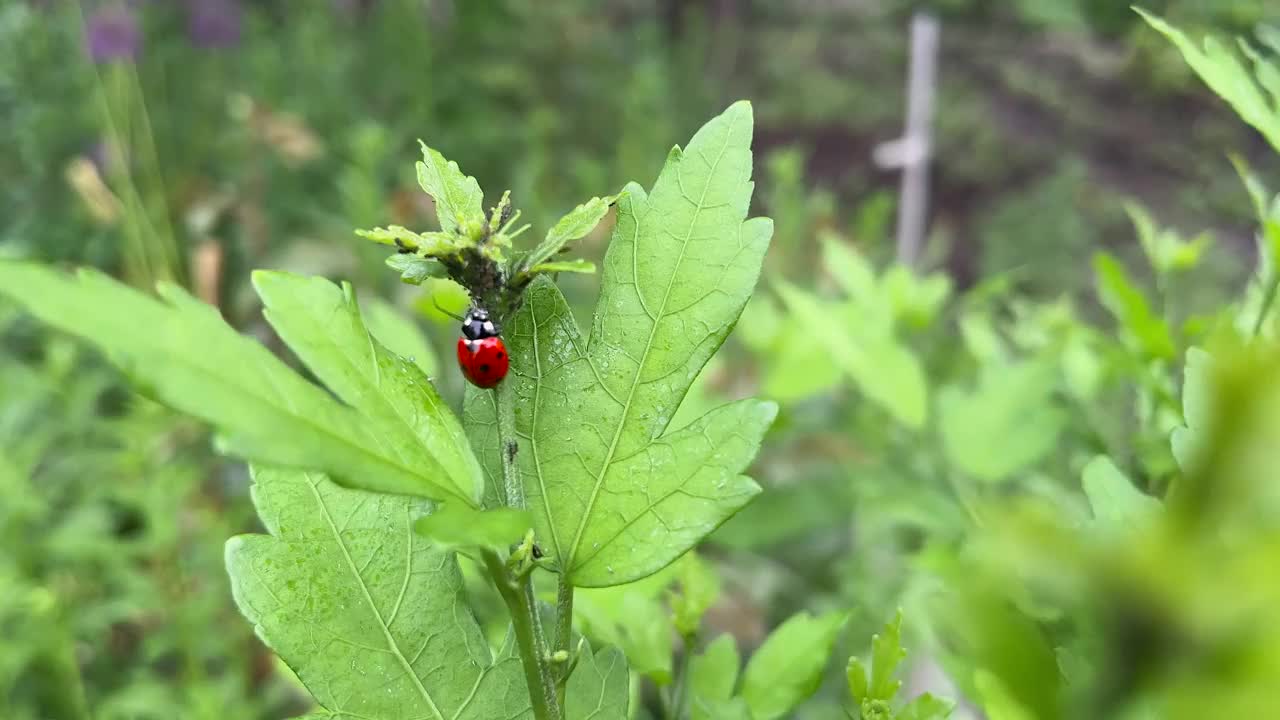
{"x":195,"y":140}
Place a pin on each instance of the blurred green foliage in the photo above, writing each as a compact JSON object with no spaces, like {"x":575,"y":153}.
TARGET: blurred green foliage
{"x":985,"y":444}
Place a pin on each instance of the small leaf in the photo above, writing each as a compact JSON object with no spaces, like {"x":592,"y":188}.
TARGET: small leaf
{"x":1005,"y":425}
{"x":787,"y":668}
{"x":926,"y":707}
{"x":322,"y":324}
{"x":699,"y":590}
{"x":1119,"y":294}
{"x":457,"y":526}
{"x":414,"y":270}
{"x":886,"y":655}
{"x":884,"y":370}
{"x":430,"y":243}
{"x":599,"y":687}
{"x":713,"y":673}
{"x":573,"y":226}
{"x":185,"y":355}
{"x":632,"y":618}
{"x":372,"y":617}
{"x":458,"y":197}
{"x":1116,"y":503}
{"x":577,"y":266}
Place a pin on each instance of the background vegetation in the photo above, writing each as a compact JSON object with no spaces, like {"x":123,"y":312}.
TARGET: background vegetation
{"x":1048,"y":324}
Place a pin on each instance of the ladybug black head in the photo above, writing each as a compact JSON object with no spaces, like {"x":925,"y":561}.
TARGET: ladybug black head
{"x":477,"y":325}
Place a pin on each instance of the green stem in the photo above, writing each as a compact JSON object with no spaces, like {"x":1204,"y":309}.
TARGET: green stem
{"x":533,"y":658}
{"x":679,"y":688}
{"x":517,"y":592}
{"x":564,"y":630}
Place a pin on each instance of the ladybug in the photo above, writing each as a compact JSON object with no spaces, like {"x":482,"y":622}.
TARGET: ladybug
{"x":482,"y":356}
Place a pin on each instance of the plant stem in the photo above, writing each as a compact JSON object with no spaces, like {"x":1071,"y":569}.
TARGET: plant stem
{"x":517,"y":592}
{"x":564,"y":630}
{"x":679,"y":689}
{"x":532,"y":655}
{"x":513,"y":488}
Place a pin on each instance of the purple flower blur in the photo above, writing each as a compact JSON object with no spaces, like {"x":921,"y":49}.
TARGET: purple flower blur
{"x":112,"y":33}
{"x":213,"y":23}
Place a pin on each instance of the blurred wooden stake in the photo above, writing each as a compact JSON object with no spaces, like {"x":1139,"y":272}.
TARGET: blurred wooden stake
{"x":912,"y":151}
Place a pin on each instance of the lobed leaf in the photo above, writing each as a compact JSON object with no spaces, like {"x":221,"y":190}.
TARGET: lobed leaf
{"x":787,"y":668}
{"x":599,"y":688}
{"x":414,"y":270}
{"x":1255,"y":99}
{"x":457,"y":196}
{"x":322,"y":325}
{"x":185,"y":355}
{"x":616,"y":493}
{"x":371,"y":617}
{"x":1004,"y":425}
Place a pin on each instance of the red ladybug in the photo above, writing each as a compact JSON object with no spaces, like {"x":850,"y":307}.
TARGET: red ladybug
{"x":482,"y":356}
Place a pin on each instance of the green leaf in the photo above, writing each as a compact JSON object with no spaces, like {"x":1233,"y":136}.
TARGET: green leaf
{"x":886,"y":655}
{"x":616,"y":493}
{"x":1006,"y":424}
{"x":399,"y":334}
{"x":1119,"y":294}
{"x":1189,"y":442}
{"x":926,"y":707}
{"x":1116,"y":503}
{"x":633,"y":619}
{"x":573,"y":226}
{"x":1227,"y":75}
{"x":713,"y":673}
{"x":458,"y":197}
{"x":322,"y":324}
{"x":458,"y":526}
{"x":186,"y":356}
{"x":414,"y":270}
{"x":372,"y":618}
{"x":428,"y":243}
{"x":577,"y":266}
{"x":699,"y":590}
{"x":996,"y":700}
{"x":599,"y":688}
{"x":787,"y":668}
{"x":885,"y":370}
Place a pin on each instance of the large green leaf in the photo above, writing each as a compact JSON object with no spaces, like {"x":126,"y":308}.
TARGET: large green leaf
{"x":183,"y":352}
{"x":372,"y":618}
{"x":616,"y":492}
{"x":322,"y":324}
{"x":599,"y":688}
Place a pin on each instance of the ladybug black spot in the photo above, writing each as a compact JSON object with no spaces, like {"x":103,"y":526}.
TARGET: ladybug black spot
{"x":484,"y":368}
{"x":499,"y":354}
